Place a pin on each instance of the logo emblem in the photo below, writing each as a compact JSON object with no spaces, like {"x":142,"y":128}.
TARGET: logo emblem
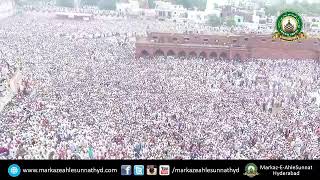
{"x":14,"y":170}
{"x":164,"y":170}
{"x":251,"y":170}
{"x":138,"y":170}
{"x":151,"y":170}
{"x":126,"y":170}
{"x":289,"y":27}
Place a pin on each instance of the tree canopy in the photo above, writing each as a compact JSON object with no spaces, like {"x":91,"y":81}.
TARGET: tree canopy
{"x":300,"y":7}
{"x":151,"y":3}
{"x":230,"y":22}
{"x":214,"y":21}
{"x":90,"y":2}
{"x":193,"y":4}
{"x":102,"y":4}
{"x":108,"y":5}
{"x":65,"y":3}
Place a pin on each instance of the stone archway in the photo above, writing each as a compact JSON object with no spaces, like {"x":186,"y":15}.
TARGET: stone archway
{"x":170,"y":53}
{"x":182,"y":54}
{"x":203,"y":55}
{"x":145,"y":53}
{"x":223,"y":56}
{"x":237,"y":57}
{"x":159,"y":53}
{"x":192,"y":54}
{"x":213,"y":55}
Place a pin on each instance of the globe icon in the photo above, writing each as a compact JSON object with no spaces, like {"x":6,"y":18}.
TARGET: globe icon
{"x":14,"y":170}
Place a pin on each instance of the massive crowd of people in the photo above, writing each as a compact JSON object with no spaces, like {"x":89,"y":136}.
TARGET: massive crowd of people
{"x":87,"y":97}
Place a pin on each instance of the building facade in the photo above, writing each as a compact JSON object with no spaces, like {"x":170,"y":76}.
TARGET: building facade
{"x":238,"y":47}
{"x":167,"y":10}
{"x":6,"y":8}
{"x":131,"y":7}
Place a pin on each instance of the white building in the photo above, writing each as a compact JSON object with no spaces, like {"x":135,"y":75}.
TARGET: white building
{"x":132,"y":7}
{"x":149,"y":13}
{"x":167,"y":10}
{"x":239,"y":20}
{"x":255,"y":19}
{"x":198,"y":16}
{"x":6,"y":8}
{"x":212,"y":4}
{"x":314,"y":22}
{"x":213,"y":11}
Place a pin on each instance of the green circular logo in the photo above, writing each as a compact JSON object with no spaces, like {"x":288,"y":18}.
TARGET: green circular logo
{"x":289,"y":24}
{"x":251,"y":170}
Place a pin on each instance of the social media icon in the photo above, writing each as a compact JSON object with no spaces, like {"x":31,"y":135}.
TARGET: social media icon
{"x":164,"y":170}
{"x":14,"y":170}
{"x":126,"y":170}
{"x":151,"y":170}
{"x":138,"y":170}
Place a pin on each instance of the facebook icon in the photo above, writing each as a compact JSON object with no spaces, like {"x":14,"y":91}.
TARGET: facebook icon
{"x":126,"y":170}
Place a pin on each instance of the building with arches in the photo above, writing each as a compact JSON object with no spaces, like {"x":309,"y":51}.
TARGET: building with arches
{"x":237,"y":47}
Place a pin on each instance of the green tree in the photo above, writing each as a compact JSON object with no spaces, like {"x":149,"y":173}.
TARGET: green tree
{"x":230,"y":22}
{"x":65,"y":3}
{"x":192,"y":4}
{"x":32,"y":2}
{"x":90,"y":2}
{"x":305,"y":8}
{"x":300,"y":7}
{"x":151,"y":4}
{"x":201,"y":4}
{"x":275,"y":8}
{"x":214,"y":21}
{"x":107,"y":4}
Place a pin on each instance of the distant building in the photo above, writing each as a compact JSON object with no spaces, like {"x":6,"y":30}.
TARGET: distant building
{"x":6,"y":8}
{"x":212,"y":4}
{"x":167,"y":10}
{"x":148,"y":13}
{"x":236,"y":47}
{"x":228,"y":11}
{"x":215,"y":12}
{"x":131,"y":7}
{"x":245,"y":14}
{"x":197,"y":16}
{"x":238,"y":19}
{"x":312,"y":23}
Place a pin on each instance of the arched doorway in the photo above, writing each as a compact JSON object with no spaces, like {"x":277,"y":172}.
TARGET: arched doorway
{"x":182,"y":54}
{"x":223,"y":56}
{"x":213,"y":55}
{"x":203,"y":55}
{"x":170,"y":53}
{"x":192,"y":54}
{"x":237,"y":57}
{"x":159,"y":53}
{"x":145,"y":53}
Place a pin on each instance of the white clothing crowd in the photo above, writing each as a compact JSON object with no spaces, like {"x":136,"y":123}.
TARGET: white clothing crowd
{"x":87,"y":97}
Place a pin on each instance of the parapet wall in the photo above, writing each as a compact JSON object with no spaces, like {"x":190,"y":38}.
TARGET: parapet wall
{"x":226,"y":46}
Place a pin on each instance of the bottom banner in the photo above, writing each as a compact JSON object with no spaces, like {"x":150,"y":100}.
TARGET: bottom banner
{"x":99,"y":169}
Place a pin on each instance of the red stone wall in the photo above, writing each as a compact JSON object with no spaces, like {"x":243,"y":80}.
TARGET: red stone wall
{"x":228,"y":47}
